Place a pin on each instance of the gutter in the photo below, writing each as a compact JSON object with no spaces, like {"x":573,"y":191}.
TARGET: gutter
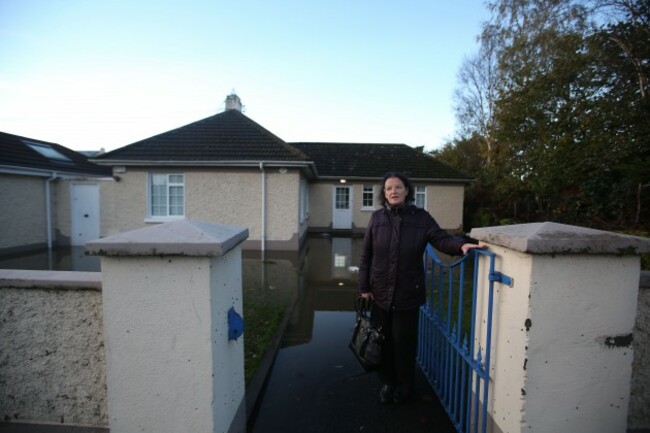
{"x":191,"y":163}
{"x":42,"y":172}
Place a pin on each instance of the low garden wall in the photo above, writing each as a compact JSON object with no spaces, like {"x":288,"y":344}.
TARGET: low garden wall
{"x":52,"y":363}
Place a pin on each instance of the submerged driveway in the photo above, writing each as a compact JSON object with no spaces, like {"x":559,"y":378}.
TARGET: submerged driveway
{"x":316,"y":384}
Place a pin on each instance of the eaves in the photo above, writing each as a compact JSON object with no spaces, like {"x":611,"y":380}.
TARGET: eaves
{"x":308,"y":166}
{"x":41,"y":172}
{"x":413,"y":179}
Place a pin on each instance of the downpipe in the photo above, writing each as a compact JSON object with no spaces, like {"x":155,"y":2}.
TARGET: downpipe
{"x":263,"y":240}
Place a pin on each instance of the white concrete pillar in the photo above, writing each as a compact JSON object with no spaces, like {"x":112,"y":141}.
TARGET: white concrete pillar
{"x":170,"y":364}
{"x":562,"y":336}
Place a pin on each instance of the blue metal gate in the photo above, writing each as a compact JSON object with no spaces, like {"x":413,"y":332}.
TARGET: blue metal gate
{"x":449,"y":350}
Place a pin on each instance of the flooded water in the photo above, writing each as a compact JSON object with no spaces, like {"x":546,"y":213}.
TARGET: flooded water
{"x":316,"y":384}
{"x":56,"y":259}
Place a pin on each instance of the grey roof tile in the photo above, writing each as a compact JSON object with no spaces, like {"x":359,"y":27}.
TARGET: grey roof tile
{"x":373,"y":160}
{"x":227,"y":136}
{"x":232,"y":136}
{"x":16,"y":152}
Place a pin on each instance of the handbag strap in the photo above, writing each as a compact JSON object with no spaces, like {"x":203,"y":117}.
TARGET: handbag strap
{"x":362,"y":306}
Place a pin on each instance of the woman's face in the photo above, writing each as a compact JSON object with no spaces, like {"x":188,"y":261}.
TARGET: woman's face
{"x":395,"y":191}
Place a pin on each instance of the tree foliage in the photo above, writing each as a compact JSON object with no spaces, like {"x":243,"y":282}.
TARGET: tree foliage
{"x":555,"y":110}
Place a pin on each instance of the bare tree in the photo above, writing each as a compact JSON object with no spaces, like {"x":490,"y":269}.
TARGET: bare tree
{"x":476,"y":93}
{"x":636,"y":13}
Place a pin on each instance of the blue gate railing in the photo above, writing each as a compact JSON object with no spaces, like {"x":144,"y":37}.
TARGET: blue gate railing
{"x":456,"y":365}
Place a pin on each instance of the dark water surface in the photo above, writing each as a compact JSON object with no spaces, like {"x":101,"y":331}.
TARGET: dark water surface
{"x":316,"y":385}
{"x":55,"y":259}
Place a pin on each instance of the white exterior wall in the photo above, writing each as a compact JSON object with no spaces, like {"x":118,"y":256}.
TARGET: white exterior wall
{"x":160,"y":361}
{"x":570,"y":322}
{"x":639,"y":416}
{"x":561,"y":356}
{"x":22,"y":220}
{"x":509,"y":337}
{"x":170,"y":365}
{"x":557,"y":362}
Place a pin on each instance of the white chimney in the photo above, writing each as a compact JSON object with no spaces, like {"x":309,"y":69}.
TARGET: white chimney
{"x":233,"y":102}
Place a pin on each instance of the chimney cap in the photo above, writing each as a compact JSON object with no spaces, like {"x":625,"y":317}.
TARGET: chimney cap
{"x":233,"y":102}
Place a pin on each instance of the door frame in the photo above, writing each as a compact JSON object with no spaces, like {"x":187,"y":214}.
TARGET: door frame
{"x":342,"y":219}
{"x":76,"y":223}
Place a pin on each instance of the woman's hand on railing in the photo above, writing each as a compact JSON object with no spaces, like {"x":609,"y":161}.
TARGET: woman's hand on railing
{"x":466,"y":248}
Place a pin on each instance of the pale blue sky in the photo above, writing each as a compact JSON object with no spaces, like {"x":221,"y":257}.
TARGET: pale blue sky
{"x":105,"y":73}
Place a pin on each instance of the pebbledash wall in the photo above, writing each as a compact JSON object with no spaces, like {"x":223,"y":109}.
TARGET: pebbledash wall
{"x":53,"y":362}
{"x":443,"y":201}
{"x":229,"y":196}
{"x":22,"y":222}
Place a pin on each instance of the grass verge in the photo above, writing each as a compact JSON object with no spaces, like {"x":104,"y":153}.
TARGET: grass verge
{"x":262,"y":321}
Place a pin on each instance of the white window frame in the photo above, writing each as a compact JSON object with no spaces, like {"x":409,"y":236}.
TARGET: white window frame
{"x":364,"y":191}
{"x":421,"y":192}
{"x":169,"y":184}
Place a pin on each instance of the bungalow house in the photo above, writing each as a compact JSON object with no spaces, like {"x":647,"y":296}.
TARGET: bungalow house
{"x":229,"y":169}
{"x":49,"y":195}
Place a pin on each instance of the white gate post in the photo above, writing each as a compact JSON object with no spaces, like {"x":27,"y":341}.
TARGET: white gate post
{"x":562,"y":335}
{"x":174,"y":360}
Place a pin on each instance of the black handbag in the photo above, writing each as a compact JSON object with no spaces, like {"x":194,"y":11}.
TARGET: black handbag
{"x":367,"y":340}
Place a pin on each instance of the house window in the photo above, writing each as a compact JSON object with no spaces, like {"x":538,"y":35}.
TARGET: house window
{"x":167,"y":195}
{"x":342,"y":198}
{"x":420,"y":197}
{"x":339,"y":260}
{"x":368,"y":197}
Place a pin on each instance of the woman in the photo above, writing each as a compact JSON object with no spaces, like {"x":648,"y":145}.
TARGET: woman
{"x":391,"y":272}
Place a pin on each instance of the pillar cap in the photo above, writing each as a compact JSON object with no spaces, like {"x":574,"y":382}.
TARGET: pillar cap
{"x":177,"y":238}
{"x":554,"y":238}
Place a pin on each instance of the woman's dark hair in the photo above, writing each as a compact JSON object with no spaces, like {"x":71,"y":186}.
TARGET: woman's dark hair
{"x":410,"y":196}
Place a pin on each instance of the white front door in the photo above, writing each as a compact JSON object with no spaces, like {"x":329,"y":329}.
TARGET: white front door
{"x":342,"y":209}
{"x":85,"y":213}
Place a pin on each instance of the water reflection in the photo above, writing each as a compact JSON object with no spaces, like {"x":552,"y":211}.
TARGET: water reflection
{"x":71,"y":258}
{"x":318,"y":276}
{"x":329,"y":284}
